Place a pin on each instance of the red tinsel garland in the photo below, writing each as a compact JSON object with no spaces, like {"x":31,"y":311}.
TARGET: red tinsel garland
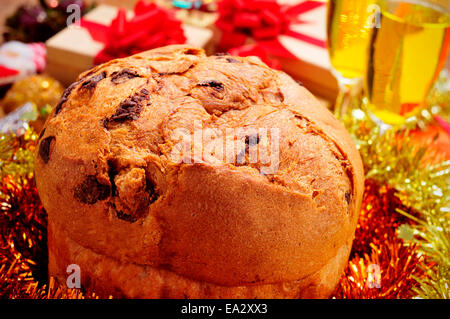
{"x":23,"y":245}
{"x":378,"y":248}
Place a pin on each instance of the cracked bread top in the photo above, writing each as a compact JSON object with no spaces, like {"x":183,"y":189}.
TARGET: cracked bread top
{"x":107,"y":175}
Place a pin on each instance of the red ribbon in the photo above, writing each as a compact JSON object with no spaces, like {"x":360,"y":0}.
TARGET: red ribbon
{"x":443,"y":123}
{"x":255,"y":50}
{"x":150,"y":27}
{"x":264,"y":21}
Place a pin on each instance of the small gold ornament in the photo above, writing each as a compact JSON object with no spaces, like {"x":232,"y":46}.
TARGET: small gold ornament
{"x":43,"y":92}
{"x":38,"y":89}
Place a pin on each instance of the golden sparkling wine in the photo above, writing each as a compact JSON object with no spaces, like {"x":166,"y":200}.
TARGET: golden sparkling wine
{"x":406,"y":54}
{"x":349,"y":26}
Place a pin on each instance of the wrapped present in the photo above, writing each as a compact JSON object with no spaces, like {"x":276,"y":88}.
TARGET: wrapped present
{"x":109,"y":32}
{"x":286,"y":34}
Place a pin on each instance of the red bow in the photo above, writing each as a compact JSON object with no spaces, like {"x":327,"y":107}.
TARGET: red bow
{"x":263,"y":21}
{"x":150,"y":27}
{"x":255,"y":50}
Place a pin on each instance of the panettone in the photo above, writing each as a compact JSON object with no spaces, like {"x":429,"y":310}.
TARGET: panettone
{"x":146,"y":196}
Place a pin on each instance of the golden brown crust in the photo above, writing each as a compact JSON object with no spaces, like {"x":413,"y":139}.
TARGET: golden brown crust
{"x":106,"y":174}
{"x":110,"y":277}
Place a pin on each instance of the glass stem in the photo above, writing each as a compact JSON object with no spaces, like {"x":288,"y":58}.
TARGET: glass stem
{"x":348,"y":89}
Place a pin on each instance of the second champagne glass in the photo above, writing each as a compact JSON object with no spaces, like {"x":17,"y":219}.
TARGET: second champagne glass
{"x":406,"y":55}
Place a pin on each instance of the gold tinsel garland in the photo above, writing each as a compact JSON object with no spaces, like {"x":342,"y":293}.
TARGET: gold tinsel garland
{"x":401,"y":247}
{"x":420,"y":178}
{"x":16,"y":153}
{"x":377,"y":245}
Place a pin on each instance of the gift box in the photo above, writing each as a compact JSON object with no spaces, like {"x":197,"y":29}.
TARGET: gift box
{"x":286,"y":34}
{"x":312,"y":66}
{"x":74,"y":49}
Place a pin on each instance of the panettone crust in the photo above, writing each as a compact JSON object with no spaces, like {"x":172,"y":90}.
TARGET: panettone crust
{"x":116,"y":196}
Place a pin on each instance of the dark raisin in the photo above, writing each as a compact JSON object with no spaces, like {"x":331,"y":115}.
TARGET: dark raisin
{"x":126,"y":217}
{"x":91,"y":83}
{"x":129,"y":109}
{"x":212,"y":83}
{"x":251,"y":140}
{"x":299,"y":82}
{"x":191,"y":52}
{"x":41,"y":134}
{"x":91,"y":191}
{"x":166,"y":73}
{"x":231,"y":60}
{"x":123,"y":75}
{"x":348,"y":196}
{"x":44,"y":148}
{"x":221,"y":54}
{"x":65,"y":96}
{"x":112,"y":173}
{"x":150,"y":189}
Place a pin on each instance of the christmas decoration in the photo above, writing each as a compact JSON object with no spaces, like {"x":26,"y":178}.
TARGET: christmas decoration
{"x":18,"y":60}
{"x":199,"y":13}
{"x":37,"y":23}
{"x":201,"y":5}
{"x":286,"y":34}
{"x":35,"y":96}
{"x":415,"y":179}
{"x":264,"y":21}
{"x":380,"y":265}
{"x":16,"y":153}
{"x":23,"y":253}
{"x":150,"y":27}
{"x":17,"y":121}
{"x":255,"y":50}
{"x":43,"y":91}
{"x":75,"y":50}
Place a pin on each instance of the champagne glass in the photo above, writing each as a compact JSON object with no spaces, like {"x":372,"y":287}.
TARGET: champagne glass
{"x":407,"y":52}
{"x":349,"y":25}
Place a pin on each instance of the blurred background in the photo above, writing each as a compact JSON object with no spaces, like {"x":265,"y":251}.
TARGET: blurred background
{"x":7,"y":7}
